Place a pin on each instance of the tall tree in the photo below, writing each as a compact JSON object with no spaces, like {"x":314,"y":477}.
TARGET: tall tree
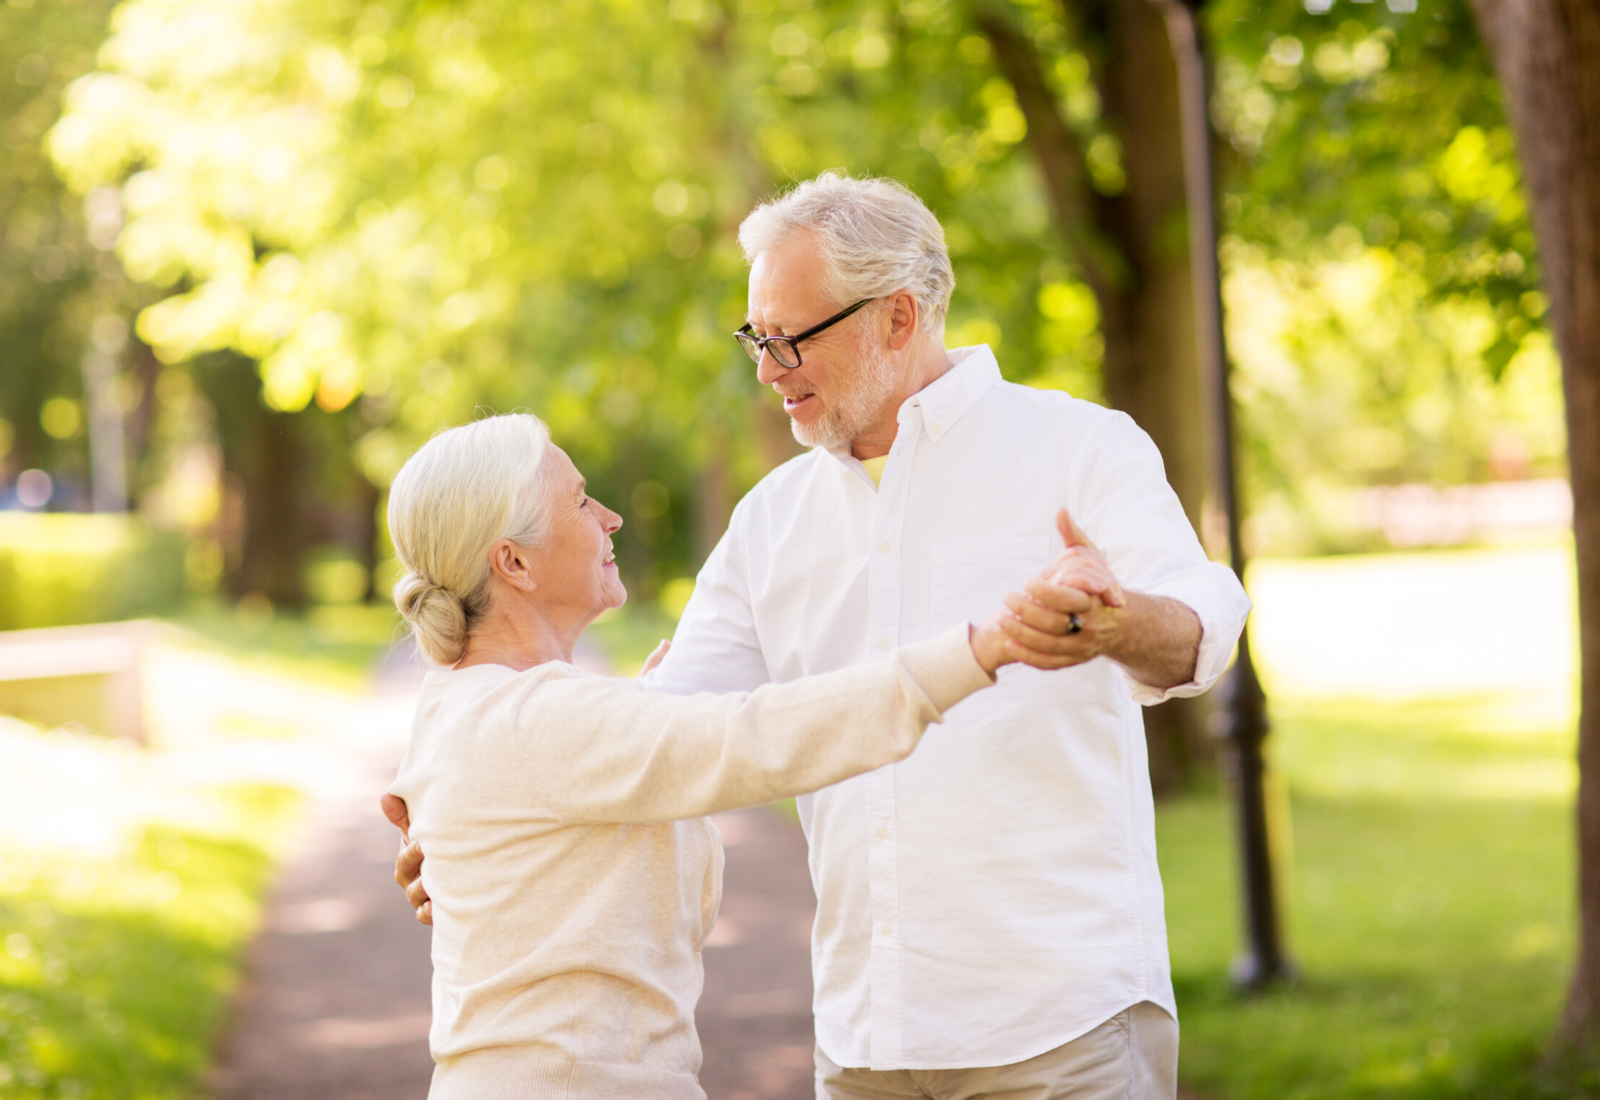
{"x":1124,"y":229}
{"x":1547,"y":55}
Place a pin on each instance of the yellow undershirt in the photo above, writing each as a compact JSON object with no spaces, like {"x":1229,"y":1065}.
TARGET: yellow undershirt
{"x":875,"y":468}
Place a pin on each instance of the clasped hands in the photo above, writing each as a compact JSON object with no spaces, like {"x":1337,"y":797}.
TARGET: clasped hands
{"x":1068,"y":613}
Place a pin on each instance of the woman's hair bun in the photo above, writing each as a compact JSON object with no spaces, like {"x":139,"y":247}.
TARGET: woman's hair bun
{"x":464,"y":489}
{"x":436,"y":615}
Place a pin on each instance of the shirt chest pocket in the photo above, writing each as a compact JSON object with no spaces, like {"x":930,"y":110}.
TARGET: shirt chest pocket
{"x":969,"y":579}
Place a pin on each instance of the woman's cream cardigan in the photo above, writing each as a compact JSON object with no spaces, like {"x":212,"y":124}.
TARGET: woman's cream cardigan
{"x":572,"y":873}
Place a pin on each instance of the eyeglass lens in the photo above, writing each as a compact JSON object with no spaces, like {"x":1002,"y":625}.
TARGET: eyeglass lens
{"x":782,"y":349}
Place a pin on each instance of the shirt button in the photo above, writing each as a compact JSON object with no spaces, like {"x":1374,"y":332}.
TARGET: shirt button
{"x":883,"y":547}
{"x":883,"y":643}
{"x":886,"y":929}
{"x":883,"y":834}
{"x":938,"y":428}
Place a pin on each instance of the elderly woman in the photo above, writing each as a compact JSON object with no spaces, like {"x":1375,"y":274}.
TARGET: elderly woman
{"x":573,"y":873}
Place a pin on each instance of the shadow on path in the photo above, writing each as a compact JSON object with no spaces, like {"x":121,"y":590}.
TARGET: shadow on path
{"x":755,"y":1016}
{"x":335,"y":1003}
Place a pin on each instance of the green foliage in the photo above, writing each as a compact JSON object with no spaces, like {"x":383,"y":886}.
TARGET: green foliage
{"x":56,"y":273}
{"x":434,"y":208}
{"x":338,"y":645}
{"x":57,"y":569}
{"x":1382,"y":287}
{"x":629,"y":635}
{"x":114,"y":972}
{"x":404,"y":212}
{"x":1430,"y":907}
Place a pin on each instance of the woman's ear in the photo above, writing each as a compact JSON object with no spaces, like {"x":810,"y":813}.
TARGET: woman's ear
{"x":512,"y":564}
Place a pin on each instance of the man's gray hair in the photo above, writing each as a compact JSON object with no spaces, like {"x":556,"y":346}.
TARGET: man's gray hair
{"x":876,"y":237}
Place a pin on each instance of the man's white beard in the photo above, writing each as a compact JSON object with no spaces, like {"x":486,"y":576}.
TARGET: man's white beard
{"x":856,"y":407}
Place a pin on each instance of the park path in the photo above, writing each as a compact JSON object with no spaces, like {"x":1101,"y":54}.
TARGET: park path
{"x":334,"y":1001}
{"x":334,"y":1004}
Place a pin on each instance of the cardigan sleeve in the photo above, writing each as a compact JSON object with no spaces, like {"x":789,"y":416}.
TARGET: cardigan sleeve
{"x":598,"y":749}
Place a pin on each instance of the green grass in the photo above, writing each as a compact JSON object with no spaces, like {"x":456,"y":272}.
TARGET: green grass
{"x":629,"y":634}
{"x":61,"y":567}
{"x":1429,"y":910}
{"x":337,"y":645}
{"x":115,"y":970}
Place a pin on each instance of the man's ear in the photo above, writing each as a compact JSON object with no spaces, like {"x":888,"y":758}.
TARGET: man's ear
{"x":904,"y":319}
{"x":512,"y":564}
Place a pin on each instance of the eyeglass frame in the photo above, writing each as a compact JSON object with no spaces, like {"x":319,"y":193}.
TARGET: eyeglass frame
{"x":755,"y":346}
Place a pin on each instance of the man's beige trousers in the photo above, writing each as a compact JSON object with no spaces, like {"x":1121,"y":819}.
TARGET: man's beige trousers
{"x":1132,"y":1056}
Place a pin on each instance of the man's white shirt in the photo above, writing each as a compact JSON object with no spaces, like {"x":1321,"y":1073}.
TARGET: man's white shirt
{"x":996,"y":894}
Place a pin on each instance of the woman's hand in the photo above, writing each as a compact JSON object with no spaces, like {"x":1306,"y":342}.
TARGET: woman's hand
{"x":989,"y":645}
{"x":656,"y":656}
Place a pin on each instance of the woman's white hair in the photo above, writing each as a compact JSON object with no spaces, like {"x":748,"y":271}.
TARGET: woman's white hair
{"x":464,"y":489}
{"x":876,"y":237}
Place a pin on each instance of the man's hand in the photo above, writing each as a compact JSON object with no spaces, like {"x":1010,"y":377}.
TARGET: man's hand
{"x":1082,"y":566}
{"x":408,"y":865}
{"x":1070,"y":611}
{"x":1057,"y":624}
{"x":1074,"y":610}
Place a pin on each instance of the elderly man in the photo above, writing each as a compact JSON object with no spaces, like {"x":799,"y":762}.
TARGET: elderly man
{"x":990,"y":917}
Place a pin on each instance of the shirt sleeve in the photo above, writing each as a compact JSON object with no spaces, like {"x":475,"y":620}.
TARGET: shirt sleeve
{"x":1123,"y":502}
{"x":715,"y":647}
{"x":598,"y":749}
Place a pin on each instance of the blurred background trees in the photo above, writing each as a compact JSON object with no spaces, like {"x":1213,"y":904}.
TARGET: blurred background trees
{"x":256,"y":251}
{"x":252,"y":252}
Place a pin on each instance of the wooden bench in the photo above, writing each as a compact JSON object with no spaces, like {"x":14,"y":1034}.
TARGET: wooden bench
{"x":89,"y":675}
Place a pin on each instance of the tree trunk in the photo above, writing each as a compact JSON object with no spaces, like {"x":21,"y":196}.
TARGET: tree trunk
{"x":365,"y":497}
{"x":1133,"y":251}
{"x":145,"y":368}
{"x":713,"y":500}
{"x":739,"y":172}
{"x":1547,"y":55}
{"x":265,"y":455}
{"x":636,"y":555}
{"x":1158,"y":377}
{"x":271,"y":465}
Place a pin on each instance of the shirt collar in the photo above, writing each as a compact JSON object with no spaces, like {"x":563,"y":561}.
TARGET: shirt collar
{"x":973,"y":372}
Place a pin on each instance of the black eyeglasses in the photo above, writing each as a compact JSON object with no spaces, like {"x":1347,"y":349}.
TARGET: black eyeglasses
{"x":786,"y":349}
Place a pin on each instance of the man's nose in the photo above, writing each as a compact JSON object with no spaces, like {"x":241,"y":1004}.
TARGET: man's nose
{"x":768,"y":369}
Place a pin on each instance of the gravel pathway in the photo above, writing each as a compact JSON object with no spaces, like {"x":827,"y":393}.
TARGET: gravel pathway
{"x":335,"y":1005}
